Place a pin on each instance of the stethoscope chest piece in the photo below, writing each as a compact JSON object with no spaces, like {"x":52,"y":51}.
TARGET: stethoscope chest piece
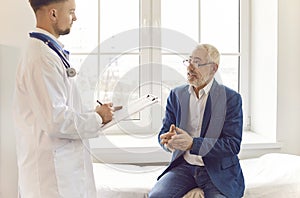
{"x":71,"y":72}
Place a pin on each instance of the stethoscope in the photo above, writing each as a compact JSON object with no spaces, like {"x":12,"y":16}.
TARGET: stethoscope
{"x":63,"y":54}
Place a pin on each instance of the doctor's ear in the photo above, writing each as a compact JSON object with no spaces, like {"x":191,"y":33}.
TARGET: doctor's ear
{"x":53,"y":14}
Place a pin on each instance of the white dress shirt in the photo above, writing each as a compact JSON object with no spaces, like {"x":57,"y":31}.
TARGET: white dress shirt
{"x":196,"y":111}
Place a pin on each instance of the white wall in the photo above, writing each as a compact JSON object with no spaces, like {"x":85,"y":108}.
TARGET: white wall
{"x":275,"y":93}
{"x":263,"y":67}
{"x":288,"y":97}
{"x":8,"y":166}
{"x":17,"y":19}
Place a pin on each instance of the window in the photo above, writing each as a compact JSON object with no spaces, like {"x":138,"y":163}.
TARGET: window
{"x":123,"y":53}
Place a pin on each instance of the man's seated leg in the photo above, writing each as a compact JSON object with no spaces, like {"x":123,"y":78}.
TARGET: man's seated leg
{"x":175,"y":183}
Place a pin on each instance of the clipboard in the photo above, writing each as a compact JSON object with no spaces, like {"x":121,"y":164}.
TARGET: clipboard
{"x":132,"y":108}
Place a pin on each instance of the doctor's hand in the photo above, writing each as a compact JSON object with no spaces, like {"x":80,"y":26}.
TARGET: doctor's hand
{"x":181,"y":141}
{"x":105,"y":111}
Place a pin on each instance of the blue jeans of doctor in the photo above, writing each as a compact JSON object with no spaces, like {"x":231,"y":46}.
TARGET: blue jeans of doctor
{"x":183,"y":178}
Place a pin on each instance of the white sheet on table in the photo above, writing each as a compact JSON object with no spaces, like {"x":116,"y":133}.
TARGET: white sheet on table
{"x":125,"y":181}
{"x":269,"y":176}
{"x":272,"y":175}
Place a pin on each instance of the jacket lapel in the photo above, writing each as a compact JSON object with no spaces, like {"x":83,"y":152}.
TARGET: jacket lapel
{"x":184,"y":107}
{"x":206,"y":116}
{"x":208,"y":107}
{"x":213,"y":121}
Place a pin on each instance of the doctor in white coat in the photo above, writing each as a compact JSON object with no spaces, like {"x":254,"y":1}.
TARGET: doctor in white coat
{"x":52,"y":128}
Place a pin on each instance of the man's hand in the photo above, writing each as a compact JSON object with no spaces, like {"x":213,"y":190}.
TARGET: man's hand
{"x":181,"y":141}
{"x":164,"y":138}
{"x":105,"y":111}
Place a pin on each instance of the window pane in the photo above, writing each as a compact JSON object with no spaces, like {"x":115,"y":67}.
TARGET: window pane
{"x":228,"y":72}
{"x":116,"y":17}
{"x":83,"y":37}
{"x":119,"y":79}
{"x":220,"y":24}
{"x":77,"y":61}
{"x":87,"y":78}
{"x":181,"y":16}
{"x":173,"y":74}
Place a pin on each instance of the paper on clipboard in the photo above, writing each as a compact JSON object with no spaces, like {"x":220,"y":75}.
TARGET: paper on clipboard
{"x":132,"y":108}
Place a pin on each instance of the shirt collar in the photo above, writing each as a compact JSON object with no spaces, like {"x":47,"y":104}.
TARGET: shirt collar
{"x":206,"y":89}
{"x":49,"y":34}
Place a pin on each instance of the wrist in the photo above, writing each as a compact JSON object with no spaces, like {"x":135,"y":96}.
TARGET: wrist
{"x":191,"y":145}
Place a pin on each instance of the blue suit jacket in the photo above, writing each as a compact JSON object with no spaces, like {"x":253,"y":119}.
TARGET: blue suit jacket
{"x":220,"y":138}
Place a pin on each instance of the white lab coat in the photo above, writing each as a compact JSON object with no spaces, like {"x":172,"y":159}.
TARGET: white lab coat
{"x":52,"y":129}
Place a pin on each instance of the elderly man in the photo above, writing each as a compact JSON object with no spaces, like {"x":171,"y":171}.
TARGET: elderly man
{"x":203,"y":129}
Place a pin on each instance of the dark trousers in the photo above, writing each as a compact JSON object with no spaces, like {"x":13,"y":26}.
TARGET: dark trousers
{"x":183,"y":178}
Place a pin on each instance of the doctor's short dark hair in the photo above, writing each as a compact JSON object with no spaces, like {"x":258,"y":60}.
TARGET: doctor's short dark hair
{"x":37,"y":4}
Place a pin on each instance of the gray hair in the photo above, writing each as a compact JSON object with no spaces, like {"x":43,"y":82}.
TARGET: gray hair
{"x":212,"y":52}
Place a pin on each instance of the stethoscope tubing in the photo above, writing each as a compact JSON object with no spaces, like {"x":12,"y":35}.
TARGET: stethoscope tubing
{"x":55,"y":47}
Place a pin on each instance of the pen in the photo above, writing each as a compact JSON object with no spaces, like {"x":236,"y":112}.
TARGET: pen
{"x":116,"y":108}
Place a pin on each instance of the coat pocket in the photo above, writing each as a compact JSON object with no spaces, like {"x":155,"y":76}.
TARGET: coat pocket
{"x":69,"y":169}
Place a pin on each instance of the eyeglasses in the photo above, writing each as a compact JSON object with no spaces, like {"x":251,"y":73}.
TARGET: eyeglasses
{"x":196,"y":62}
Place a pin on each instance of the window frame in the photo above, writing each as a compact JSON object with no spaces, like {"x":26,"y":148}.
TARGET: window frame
{"x":150,"y":16}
